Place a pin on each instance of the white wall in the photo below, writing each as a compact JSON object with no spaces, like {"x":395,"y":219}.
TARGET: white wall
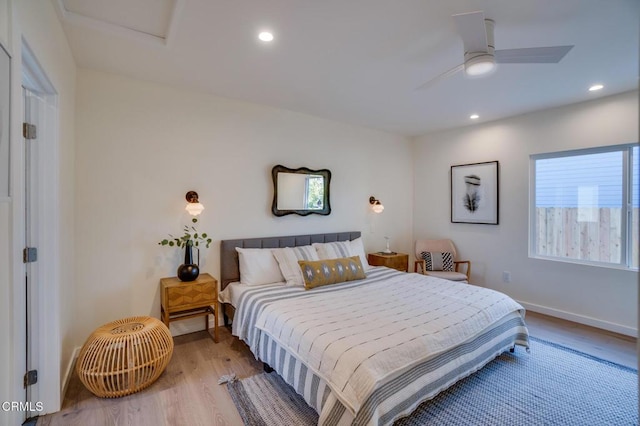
{"x":593,"y":295}
{"x":142,"y":146}
{"x":35,"y":21}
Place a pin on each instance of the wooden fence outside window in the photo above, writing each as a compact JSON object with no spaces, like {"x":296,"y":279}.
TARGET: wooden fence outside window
{"x":584,"y":234}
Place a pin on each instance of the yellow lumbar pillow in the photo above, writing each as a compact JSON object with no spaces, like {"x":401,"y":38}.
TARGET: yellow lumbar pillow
{"x":317,"y":273}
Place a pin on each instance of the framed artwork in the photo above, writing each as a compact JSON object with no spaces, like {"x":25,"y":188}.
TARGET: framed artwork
{"x":5,"y":90}
{"x":474,"y":193}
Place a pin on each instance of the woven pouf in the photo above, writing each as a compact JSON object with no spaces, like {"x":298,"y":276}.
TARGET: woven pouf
{"x":124,"y":356}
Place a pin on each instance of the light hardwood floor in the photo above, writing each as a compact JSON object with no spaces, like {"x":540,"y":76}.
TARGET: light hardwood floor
{"x":188,"y":391}
{"x":593,"y":341}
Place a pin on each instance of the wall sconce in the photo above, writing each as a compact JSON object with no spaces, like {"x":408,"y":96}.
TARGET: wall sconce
{"x":193,"y":205}
{"x":376,"y":205}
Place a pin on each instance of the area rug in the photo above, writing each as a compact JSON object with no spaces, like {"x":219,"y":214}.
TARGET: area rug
{"x":552,"y":385}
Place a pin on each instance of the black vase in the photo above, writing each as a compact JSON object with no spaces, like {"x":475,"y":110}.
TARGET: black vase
{"x":188,"y":271}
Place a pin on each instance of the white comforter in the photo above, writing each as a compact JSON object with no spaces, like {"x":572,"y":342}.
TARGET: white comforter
{"x":357,"y":340}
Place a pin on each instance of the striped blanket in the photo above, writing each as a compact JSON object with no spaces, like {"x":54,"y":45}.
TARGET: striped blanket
{"x":370,"y":351}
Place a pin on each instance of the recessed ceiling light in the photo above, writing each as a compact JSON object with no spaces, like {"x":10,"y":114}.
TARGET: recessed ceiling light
{"x":474,"y":116}
{"x":265,"y":36}
{"x":595,"y":87}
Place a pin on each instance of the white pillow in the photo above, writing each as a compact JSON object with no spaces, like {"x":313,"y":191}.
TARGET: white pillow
{"x":357,"y":249}
{"x":342,"y":249}
{"x":335,"y":250}
{"x":258,"y":266}
{"x":288,"y":261}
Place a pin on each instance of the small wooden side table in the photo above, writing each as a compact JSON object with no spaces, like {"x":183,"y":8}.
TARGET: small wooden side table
{"x":182,"y":300}
{"x":399,"y":261}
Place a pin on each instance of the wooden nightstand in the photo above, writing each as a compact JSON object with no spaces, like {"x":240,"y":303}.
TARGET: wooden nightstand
{"x":399,"y":261}
{"x":182,"y":300}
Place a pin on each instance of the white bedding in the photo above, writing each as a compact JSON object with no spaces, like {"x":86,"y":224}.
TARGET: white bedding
{"x":355,"y":341}
{"x":360,"y":337}
{"x":233,"y":292}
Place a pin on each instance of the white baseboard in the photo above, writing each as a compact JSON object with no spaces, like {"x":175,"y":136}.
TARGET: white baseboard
{"x":191,"y":325}
{"x":581,"y":319}
{"x":67,"y":372}
{"x":186,"y":326}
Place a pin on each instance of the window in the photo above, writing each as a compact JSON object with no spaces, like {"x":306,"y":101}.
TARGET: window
{"x":314,"y":192}
{"x":584,"y":206}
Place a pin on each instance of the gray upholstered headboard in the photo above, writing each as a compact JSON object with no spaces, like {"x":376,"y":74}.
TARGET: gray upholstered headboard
{"x":229,"y":270}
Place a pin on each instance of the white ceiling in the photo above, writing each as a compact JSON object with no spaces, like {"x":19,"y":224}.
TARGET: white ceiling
{"x":360,"y":61}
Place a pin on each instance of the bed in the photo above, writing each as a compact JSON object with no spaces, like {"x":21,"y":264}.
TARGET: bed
{"x":368,"y":351}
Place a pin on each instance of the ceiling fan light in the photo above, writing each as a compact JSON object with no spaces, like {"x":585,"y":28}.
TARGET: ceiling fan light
{"x":479,"y":65}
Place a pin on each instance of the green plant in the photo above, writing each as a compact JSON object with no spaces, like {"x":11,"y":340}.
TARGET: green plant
{"x":191,"y":238}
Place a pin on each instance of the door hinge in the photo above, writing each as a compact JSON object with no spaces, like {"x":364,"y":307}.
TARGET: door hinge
{"x":29,"y":131}
{"x":30,"y":378}
{"x":29,"y":254}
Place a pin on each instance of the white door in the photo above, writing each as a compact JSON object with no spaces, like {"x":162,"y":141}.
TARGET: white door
{"x":32,"y":104}
{"x":39,"y":314}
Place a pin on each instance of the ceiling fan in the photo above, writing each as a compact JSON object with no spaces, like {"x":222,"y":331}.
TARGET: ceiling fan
{"x":480,"y":56}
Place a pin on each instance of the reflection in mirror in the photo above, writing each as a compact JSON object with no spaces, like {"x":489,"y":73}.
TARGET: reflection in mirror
{"x":300,"y":191}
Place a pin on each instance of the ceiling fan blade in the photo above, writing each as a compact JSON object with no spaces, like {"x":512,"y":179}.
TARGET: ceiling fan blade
{"x":532,"y":55}
{"x":472,"y":30}
{"x":442,"y":76}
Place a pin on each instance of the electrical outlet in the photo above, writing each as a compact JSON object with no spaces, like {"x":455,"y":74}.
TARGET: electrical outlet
{"x":506,"y":276}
